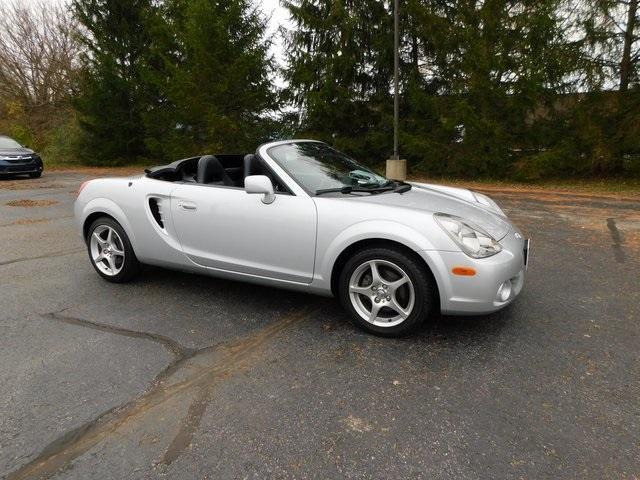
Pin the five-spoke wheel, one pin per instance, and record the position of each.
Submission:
(387, 290)
(110, 251)
(107, 250)
(381, 292)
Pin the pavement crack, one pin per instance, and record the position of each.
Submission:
(220, 362)
(49, 255)
(176, 349)
(616, 236)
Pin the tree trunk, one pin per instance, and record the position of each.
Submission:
(626, 66)
(414, 53)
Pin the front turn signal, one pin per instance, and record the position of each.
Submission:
(464, 271)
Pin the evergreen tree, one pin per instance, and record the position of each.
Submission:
(503, 64)
(212, 72)
(340, 63)
(612, 28)
(112, 95)
(601, 129)
(472, 73)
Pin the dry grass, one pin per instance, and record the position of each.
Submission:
(32, 203)
(27, 185)
(100, 171)
(606, 188)
(610, 188)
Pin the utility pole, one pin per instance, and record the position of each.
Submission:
(396, 168)
(396, 68)
(626, 64)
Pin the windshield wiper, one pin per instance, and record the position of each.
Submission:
(345, 189)
(402, 187)
(348, 189)
(373, 189)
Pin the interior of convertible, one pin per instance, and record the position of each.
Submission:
(221, 170)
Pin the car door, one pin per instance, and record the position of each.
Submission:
(225, 228)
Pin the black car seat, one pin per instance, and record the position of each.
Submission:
(211, 171)
(251, 165)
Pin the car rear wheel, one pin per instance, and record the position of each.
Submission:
(110, 251)
(386, 291)
(35, 175)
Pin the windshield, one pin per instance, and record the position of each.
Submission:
(316, 166)
(6, 142)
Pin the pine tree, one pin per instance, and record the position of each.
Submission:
(213, 74)
(500, 63)
(612, 28)
(112, 95)
(472, 72)
(600, 132)
(340, 63)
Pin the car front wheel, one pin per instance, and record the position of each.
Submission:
(110, 251)
(386, 291)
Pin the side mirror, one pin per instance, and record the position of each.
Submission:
(262, 185)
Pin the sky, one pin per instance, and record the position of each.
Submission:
(278, 17)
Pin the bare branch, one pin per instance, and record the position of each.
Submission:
(38, 53)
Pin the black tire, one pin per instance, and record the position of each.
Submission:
(130, 268)
(35, 174)
(422, 282)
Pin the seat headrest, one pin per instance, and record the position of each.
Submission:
(210, 170)
(250, 165)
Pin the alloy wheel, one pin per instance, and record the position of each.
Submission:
(381, 293)
(107, 250)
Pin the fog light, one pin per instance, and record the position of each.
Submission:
(504, 292)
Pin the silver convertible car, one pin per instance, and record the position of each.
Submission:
(301, 215)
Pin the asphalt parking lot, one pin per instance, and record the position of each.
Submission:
(182, 376)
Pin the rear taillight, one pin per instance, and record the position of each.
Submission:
(82, 185)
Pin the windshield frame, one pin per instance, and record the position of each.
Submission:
(313, 193)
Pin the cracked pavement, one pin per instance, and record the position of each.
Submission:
(182, 376)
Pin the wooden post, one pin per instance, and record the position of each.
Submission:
(396, 168)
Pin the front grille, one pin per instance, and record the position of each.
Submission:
(17, 169)
(20, 160)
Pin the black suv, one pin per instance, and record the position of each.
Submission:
(16, 159)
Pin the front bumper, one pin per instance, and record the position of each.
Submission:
(480, 293)
(17, 168)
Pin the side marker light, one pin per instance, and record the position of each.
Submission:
(464, 271)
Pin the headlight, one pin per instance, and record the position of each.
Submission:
(473, 241)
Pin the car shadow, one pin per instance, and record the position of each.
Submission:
(329, 314)
(463, 330)
(6, 177)
(199, 284)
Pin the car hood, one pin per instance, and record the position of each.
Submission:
(10, 152)
(454, 201)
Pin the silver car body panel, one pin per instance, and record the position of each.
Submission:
(295, 241)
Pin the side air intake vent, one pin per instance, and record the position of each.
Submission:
(156, 211)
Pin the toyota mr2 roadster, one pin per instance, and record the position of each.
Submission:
(301, 215)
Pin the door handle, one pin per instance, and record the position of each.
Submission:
(187, 206)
